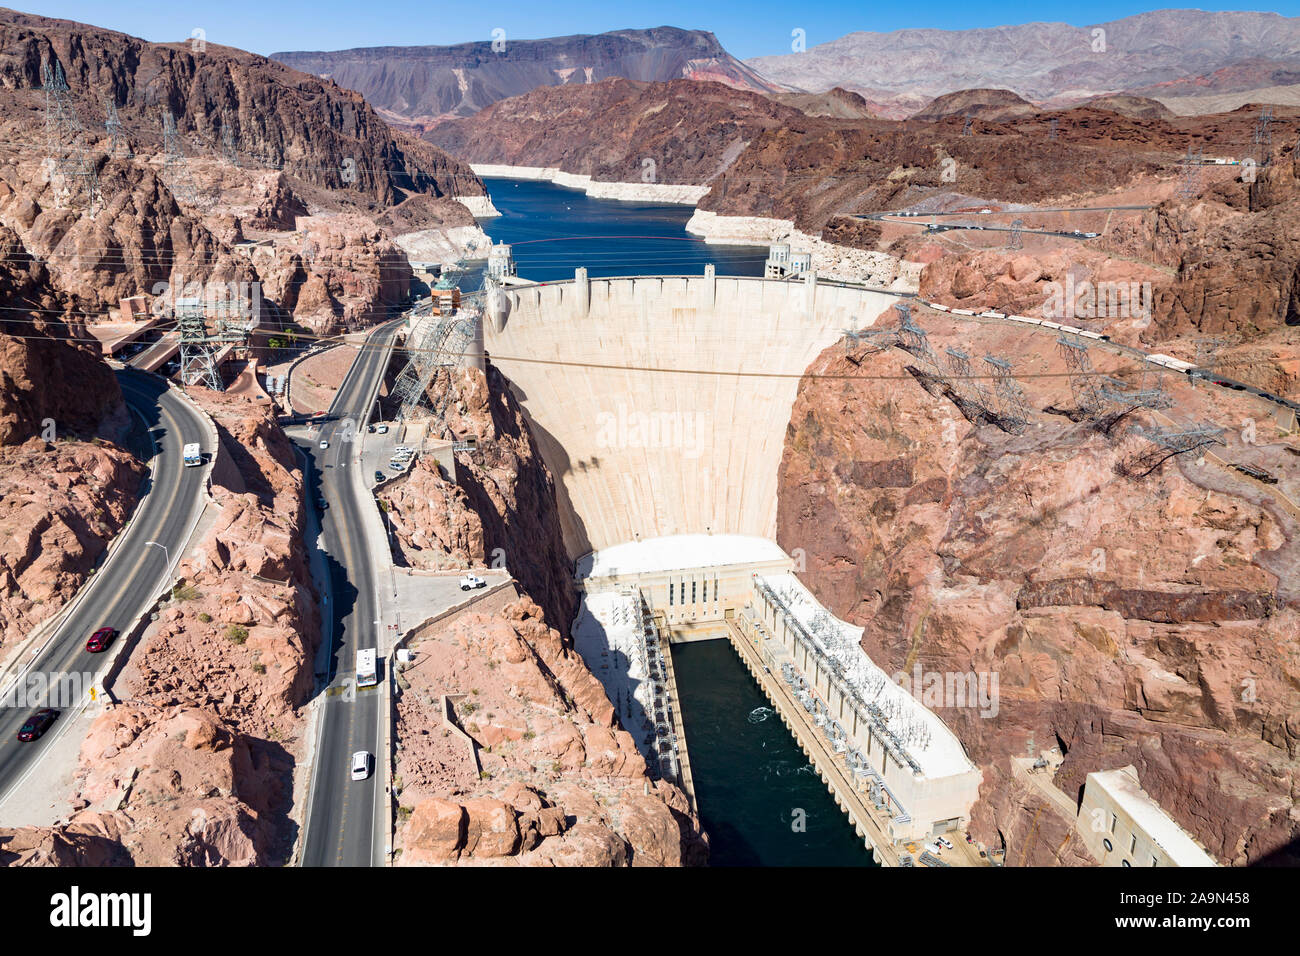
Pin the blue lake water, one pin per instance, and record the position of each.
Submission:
(760, 801)
(553, 230)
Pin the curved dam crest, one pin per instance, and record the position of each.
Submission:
(666, 406)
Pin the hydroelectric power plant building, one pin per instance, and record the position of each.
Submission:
(660, 404)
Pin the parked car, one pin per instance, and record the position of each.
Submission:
(379, 476)
(943, 842)
(468, 581)
(361, 764)
(100, 640)
(396, 465)
(37, 724)
(381, 428)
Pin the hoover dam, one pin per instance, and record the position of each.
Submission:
(661, 405)
(661, 402)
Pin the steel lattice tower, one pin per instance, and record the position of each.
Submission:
(118, 146)
(1264, 136)
(198, 350)
(1012, 404)
(1182, 440)
(1191, 181)
(1083, 378)
(1016, 226)
(65, 138)
(965, 130)
(1052, 134)
(915, 340)
(228, 151)
(1207, 355)
(959, 366)
(175, 168)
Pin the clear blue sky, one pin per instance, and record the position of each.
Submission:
(753, 28)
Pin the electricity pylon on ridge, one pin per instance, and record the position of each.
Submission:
(228, 151)
(175, 166)
(1264, 136)
(914, 339)
(118, 145)
(66, 153)
(1190, 183)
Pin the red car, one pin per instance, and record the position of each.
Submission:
(100, 640)
(37, 724)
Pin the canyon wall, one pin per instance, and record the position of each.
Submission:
(497, 509)
(194, 766)
(65, 491)
(1144, 620)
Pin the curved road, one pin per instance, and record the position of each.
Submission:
(132, 577)
(342, 826)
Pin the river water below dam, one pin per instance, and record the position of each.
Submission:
(761, 802)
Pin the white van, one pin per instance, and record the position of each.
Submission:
(361, 764)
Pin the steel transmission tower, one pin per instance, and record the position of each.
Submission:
(1191, 181)
(198, 350)
(175, 168)
(66, 153)
(228, 151)
(1016, 226)
(118, 146)
(199, 347)
(1012, 405)
(1083, 378)
(1264, 136)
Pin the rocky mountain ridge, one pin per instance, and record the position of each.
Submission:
(1159, 53)
(421, 84)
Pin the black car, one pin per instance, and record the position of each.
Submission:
(37, 724)
(379, 476)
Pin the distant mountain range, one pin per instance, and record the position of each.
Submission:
(1166, 54)
(422, 84)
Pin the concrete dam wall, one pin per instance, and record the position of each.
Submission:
(661, 403)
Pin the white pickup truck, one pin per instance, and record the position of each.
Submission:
(468, 581)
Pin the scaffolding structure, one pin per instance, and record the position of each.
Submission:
(435, 342)
(67, 156)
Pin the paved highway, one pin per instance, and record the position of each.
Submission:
(342, 826)
(135, 573)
